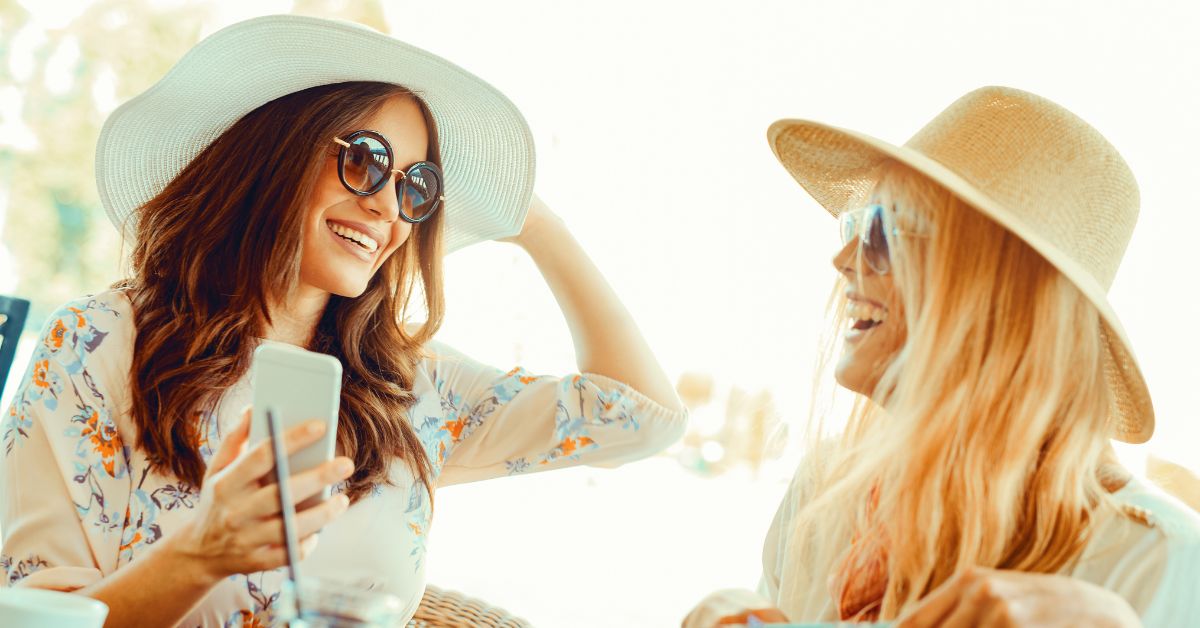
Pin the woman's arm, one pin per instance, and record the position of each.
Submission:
(160, 588)
(607, 341)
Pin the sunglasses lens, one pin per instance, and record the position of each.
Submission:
(365, 164)
(875, 244)
(421, 192)
(867, 225)
(849, 226)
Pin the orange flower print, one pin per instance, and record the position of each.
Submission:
(57, 333)
(455, 428)
(105, 439)
(80, 321)
(567, 447)
(41, 370)
(133, 542)
(246, 619)
(128, 547)
(524, 379)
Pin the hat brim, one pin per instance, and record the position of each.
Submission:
(837, 165)
(487, 148)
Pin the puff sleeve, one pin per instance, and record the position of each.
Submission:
(495, 423)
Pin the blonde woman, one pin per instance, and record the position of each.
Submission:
(974, 484)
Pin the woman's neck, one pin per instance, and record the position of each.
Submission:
(295, 320)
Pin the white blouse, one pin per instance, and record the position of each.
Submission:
(78, 501)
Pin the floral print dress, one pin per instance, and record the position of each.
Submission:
(78, 500)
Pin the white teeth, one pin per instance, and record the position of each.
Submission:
(365, 240)
(860, 311)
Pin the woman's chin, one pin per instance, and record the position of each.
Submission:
(343, 288)
(350, 292)
(851, 375)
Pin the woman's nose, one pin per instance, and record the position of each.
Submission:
(383, 203)
(844, 260)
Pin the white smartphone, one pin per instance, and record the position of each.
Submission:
(299, 386)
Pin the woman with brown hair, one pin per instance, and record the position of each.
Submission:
(302, 194)
(974, 483)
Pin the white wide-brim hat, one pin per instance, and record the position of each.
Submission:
(1028, 164)
(486, 147)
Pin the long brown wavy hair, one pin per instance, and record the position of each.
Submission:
(223, 240)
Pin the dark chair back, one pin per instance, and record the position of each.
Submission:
(13, 312)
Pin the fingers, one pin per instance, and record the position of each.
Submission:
(764, 615)
(231, 445)
(309, 545)
(270, 557)
(261, 460)
(265, 501)
(983, 601)
(741, 619)
(965, 614)
(938, 605)
(269, 531)
(312, 520)
(769, 615)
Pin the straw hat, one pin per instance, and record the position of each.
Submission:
(1026, 163)
(487, 149)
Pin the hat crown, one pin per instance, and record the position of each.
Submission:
(1055, 173)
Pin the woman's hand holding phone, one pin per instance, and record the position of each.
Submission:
(238, 525)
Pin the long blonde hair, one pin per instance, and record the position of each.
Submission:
(985, 440)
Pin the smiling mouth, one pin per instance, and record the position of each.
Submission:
(865, 316)
(353, 236)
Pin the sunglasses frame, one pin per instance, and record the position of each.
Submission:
(402, 175)
(862, 232)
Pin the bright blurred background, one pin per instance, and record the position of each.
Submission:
(650, 122)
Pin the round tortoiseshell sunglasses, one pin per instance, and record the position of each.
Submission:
(365, 163)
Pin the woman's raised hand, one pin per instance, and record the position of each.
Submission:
(238, 525)
(538, 215)
(994, 598)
